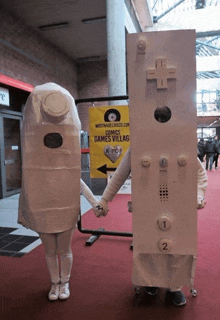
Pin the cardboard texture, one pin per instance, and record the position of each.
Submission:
(162, 87)
(51, 161)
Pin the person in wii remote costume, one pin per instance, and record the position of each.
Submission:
(168, 180)
(51, 167)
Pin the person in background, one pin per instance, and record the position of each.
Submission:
(210, 150)
(217, 147)
(201, 148)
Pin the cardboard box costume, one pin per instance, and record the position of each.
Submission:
(167, 177)
(51, 161)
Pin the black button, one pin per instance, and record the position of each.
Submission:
(53, 140)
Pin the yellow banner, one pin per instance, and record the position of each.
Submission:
(109, 138)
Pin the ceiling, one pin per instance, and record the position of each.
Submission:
(79, 40)
(211, 122)
(205, 20)
(76, 39)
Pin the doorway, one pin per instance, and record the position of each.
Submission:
(10, 154)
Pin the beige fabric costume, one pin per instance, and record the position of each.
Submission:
(170, 271)
(51, 162)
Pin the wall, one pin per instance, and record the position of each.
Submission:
(26, 56)
(92, 83)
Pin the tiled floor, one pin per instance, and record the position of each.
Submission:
(15, 240)
(12, 244)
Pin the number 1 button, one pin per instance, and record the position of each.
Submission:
(164, 223)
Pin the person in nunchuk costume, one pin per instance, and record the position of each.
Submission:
(152, 268)
(51, 168)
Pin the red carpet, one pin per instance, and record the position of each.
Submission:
(101, 277)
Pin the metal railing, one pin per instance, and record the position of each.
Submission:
(95, 234)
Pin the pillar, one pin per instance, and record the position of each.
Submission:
(116, 48)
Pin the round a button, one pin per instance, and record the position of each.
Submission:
(165, 245)
(145, 162)
(164, 223)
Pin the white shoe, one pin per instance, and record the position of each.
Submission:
(64, 291)
(54, 292)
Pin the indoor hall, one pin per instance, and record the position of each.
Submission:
(82, 47)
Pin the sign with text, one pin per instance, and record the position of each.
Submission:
(109, 138)
(4, 97)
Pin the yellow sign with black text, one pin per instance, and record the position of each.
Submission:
(109, 138)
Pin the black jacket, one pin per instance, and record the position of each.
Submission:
(210, 146)
(201, 147)
(217, 146)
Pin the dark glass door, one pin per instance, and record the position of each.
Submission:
(11, 153)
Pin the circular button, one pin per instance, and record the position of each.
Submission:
(55, 105)
(142, 44)
(145, 162)
(164, 223)
(165, 245)
(182, 161)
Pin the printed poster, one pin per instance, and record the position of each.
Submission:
(109, 138)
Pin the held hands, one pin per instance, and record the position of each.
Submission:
(101, 208)
(200, 202)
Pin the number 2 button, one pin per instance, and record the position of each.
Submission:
(165, 245)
